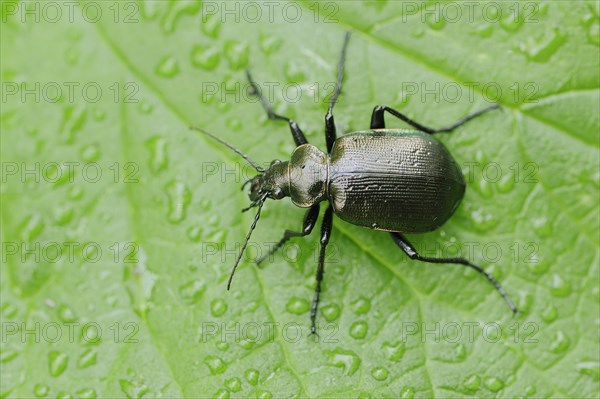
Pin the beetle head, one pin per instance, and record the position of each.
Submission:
(274, 182)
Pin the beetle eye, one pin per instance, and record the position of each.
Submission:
(277, 193)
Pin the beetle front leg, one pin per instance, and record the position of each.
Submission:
(378, 122)
(325, 234)
(330, 132)
(310, 219)
(297, 134)
(412, 253)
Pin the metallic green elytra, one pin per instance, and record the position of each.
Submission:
(395, 180)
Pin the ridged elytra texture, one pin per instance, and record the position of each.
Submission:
(394, 180)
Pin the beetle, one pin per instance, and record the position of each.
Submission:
(394, 180)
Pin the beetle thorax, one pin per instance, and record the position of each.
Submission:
(308, 171)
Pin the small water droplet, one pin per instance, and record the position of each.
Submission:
(63, 214)
(331, 312)
(472, 382)
(269, 43)
(345, 359)
(75, 193)
(211, 24)
(435, 21)
(294, 73)
(234, 384)
(379, 373)
(262, 394)
(513, 21)
(494, 384)
(167, 67)
(145, 107)
(40, 390)
(175, 11)
(86, 393)
(506, 183)
(297, 306)
(251, 376)
(218, 307)
(32, 227)
(179, 198)
(191, 291)
(90, 153)
(6, 355)
(158, 153)
(87, 358)
(205, 57)
(215, 364)
(407, 393)
(194, 233)
(66, 314)
(589, 368)
(64, 395)
(361, 306)
(484, 30)
(359, 329)
(560, 343)
(560, 287)
(133, 389)
(542, 227)
(236, 54)
(542, 47)
(222, 394)
(394, 351)
(549, 314)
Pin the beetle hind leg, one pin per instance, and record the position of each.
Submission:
(378, 122)
(297, 134)
(325, 234)
(412, 253)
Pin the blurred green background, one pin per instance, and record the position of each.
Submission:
(120, 226)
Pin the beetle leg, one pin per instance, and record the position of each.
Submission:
(325, 234)
(297, 134)
(310, 219)
(330, 132)
(412, 253)
(377, 120)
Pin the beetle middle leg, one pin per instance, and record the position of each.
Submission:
(297, 134)
(310, 219)
(325, 234)
(378, 122)
(412, 253)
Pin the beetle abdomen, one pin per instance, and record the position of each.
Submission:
(394, 180)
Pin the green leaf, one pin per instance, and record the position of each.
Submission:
(120, 225)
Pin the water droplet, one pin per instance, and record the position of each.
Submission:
(542, 226)
(222, 394)
(158, 153)
(484, 30)
(294, 73)
(379, 373)
(205, 57)
(218, 307)
(63, 214)
(540, 267)
(269, 43)
(589, 368)
(64, 395)
(361, 305)
(211, 25)
(560, 343)
(40, 390)
(331, 312)
(236, 54)
(251, 376)
(133, 389)
(75, 193)
(215, 364)
(483, 221)
(176, 10)
(512, 22)
(345, 359)
(32, 226)
(494, 384)
(191, 291)
(222, 346)
(87, 358)
(541, 48)
(194, 233)
(90, 153)
(594, 33)
(472, 382)
(297, 306)
(359, 329)
(86, 393)
(261, 394)
(407, 393)
(179, 198)
(6, 355)
(74, 118)
(435, 21)
(66, 314)
(394, 351)
(549, 314)
(506, 183)
(234, 384)
(145, 107)
(167, 67)
(484, 188)
(560, 287)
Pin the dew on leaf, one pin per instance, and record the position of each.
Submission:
(251, 376)
(407, 393)
(6, 355)
(331, 312)
(194, 233)
(222, 394)
(218, 307)
(40, 390)
(345, 359)
(175, 11)
(262, 394)
(234, 384)
(86, 393)
(90, 153)
(542, 47)
(589, 368)
(205, 57)
(215, 364)
(63, 395)
(87, 358)
(494, 384)
(394, 351)
(133, 389)
(237, 54)
(210, 25)
(560, 343)
(57, 363)
(63, 214)
(32, 227)
(191, 291)
(66, 314)
(297, 306)
(158, 153)
(179, 197)
(549, 314)
(379, 373)
(359, 329)
(269, 43)
(361, 305)
(167, 67)
(472, 382)
(560, 287)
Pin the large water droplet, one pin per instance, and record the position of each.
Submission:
(57, 363)
(560, 343)
(167, 67)
(379, 373)
(494, 384)
(205, 57)
(158, 153)
(345, 359)
(87, 358)
(251, 376)
(179, 198)
(218, 307)
(542, 47)
(215, 364)
(297, 306)
(237, 54)
(361, 305)
(359, 329)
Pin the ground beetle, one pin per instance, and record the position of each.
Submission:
(395, 180)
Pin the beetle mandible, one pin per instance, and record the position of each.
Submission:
(394, 180)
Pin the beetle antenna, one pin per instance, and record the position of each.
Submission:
(212, 136)
(260, 204)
